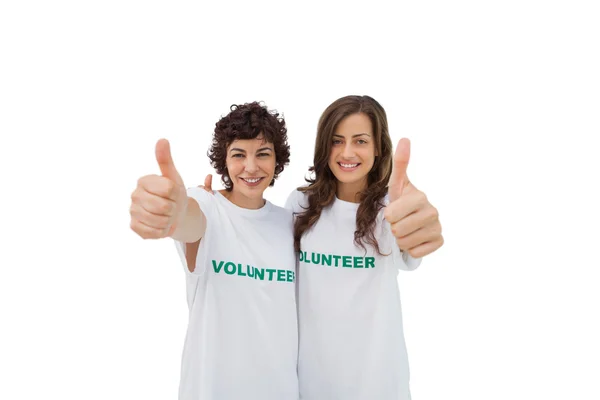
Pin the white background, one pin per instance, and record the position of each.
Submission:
(500, 99)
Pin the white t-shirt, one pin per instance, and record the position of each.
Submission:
(349, 313)
(242, 338)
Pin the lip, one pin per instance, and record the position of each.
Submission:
(252, 184)
(346, 169)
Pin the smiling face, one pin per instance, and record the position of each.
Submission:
(352, 152)
(251, 167)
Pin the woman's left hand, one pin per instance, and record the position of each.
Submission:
(413, 219)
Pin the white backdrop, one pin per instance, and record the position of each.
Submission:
(501, 102)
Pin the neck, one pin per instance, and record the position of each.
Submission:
(349, 191)
(243, 201)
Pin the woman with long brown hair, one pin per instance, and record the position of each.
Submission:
(358, 222)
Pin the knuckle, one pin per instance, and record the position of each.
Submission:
(439, 241)
(146, 178)
(143, 182)
(438, 230)
(154, 233)
(422, 199)
(401, 243)
(387, 214)
(164, 223)
(165, 207)
(171, 188)
(414, 253)
(153, 204)
(137, 228)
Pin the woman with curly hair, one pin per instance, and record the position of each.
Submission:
(238, 255)
(357, 224)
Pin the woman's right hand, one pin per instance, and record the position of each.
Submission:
(159, 203)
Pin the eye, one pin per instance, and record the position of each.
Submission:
(361, 141)
(336, 142)
(264, 154)
(237, 155)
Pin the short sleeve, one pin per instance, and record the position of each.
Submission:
(296, 202)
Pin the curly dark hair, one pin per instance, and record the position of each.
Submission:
(248, 121)
(322, 188)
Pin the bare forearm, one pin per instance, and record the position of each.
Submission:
(192, 226)
(191, 253)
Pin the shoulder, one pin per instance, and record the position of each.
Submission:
(297, 202)
(280, 212)
(203, 198)
(280, 219)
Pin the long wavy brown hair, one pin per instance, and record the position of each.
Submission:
(322, 188)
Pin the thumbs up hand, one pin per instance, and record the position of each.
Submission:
(414, 221)
(159, 203)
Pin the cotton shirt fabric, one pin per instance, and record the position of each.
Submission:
(242, 340)
(350, 318)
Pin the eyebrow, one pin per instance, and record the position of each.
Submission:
(243, 151)
(357, 135)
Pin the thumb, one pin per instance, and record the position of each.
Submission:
(399, 179)
(208, 182)
(165, 161)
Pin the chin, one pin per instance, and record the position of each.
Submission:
(345, 177)
(249, 191)
(351, 181)
(253, 193)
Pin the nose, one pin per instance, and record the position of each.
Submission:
(348, 151)
(251, 165)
